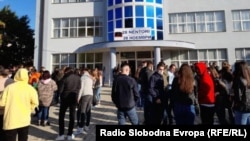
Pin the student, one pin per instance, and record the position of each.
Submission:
(19, 100)
(125, 95)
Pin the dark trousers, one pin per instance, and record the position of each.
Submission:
(63, 108)
(21, 132)
(207, 115)
(2, 135)
(148, 102)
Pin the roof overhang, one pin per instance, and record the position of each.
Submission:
(168, 44)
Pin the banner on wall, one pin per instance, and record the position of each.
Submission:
(123, 34)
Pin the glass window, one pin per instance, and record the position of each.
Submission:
(222, 54)
(98, 57)
(118, 23)
(90, 66)
(64, 58)
(56, 58)
(212, 54)
(72, 58)
(159, 1)
(247, 51)
(202, 54)
(127, 55)
(139, 22)
(193, 55)
(56, 33)
(81, 58)
(81, 32)
(159, 35)
(128, 23)
(128, 11)
(110, 37)
(65, 22)
(239, 54)
(110, 2)
(139, 0)
(81, 22)
(150, 11)
(150, 23)
(56, 23)
(174, 55)
(90, 31)
(149, 0)
(118, 1)
(139, 10)
(158, 12)
(110, 26)
(183, 55)
(128, 0)
(118, 13)
(144, 54)
(90, 21)
(110, 15)
(89, 57)
(159, 24)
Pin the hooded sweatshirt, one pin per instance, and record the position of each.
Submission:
(206, 94)
(19, 100)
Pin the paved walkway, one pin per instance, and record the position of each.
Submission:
(103, 115)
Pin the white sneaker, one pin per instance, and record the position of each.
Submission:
(60, 138)
(70, 137)
(86, 128)
(78, 131)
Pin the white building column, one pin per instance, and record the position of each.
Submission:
(157, 54)
(112, 63)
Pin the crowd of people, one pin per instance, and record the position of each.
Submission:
(171, 95)
(167, 94)
(24, 90)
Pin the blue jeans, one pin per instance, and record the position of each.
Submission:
(131, 114)
(43, 113)
(242, 118)
(97, 93)
(184, 114)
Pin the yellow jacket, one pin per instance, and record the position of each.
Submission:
(19, 99)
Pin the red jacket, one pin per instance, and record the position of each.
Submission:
(206, 93)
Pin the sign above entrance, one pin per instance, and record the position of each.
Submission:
(132, 34)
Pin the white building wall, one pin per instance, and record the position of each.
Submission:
(216, 40)
(67, 45)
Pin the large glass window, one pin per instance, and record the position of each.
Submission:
(139, 11)
(150, 11)
(213, 21)
(118, 13)
(241, 20)
(77, 27)
(110, 15)
(139, 22)
(193, 56)
(128, 11)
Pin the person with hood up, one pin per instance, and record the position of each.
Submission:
(19, 100)
(206, 94)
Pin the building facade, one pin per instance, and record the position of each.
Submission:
(104, 33)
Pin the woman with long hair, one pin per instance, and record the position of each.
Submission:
(241, 99)
(183, 96)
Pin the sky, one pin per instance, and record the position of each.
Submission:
(22, 8)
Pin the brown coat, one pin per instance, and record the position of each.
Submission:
(46, 89)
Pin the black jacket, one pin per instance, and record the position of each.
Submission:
(69, 87)
(124, 92)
